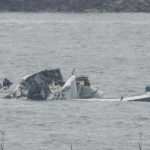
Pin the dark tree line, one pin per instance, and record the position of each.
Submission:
(76, 5)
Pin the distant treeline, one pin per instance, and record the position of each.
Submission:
(76, 5)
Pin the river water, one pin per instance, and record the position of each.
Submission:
(112, 49)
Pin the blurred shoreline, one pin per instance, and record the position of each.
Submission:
(75, 6)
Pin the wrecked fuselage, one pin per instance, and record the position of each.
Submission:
(49, 84)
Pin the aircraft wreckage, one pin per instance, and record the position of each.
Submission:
(49, 84)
